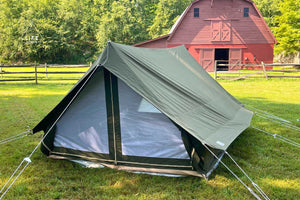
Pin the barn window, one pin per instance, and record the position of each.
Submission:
(196, 12)
(246, 12)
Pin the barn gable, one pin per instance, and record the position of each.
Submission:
(230, 30)
(221, 21)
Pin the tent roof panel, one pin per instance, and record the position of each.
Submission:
(178, 86)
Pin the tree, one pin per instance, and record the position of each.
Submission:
(21, 20)
(123, 23)
(288, 30)
(268, 9)
(167, 13)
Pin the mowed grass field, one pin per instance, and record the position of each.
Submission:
(272, 164)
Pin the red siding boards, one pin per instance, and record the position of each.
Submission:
(221, 24)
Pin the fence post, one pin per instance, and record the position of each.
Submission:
(1, 71)
(264, 69)
(35, 70)
(215, 69)
(46, 74)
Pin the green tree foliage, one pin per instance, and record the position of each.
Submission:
(66, 30)
(288, 30)
(122, 23)
(167, 13)
(268, 9)
(73, 31)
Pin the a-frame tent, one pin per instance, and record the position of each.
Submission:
(146, 110)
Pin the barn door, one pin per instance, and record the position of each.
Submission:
(207, 59)
(225, 31)
(221, 30)
(215, 27)
(234, 59)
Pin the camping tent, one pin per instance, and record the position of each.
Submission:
(145, 110)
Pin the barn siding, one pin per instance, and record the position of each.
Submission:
(250, 54)
(248, 39)
(256, 53)
(250, 30)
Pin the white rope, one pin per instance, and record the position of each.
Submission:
(273, 118)
(269, 114)
(279, 137)
(27, 159)
(253, 183)
(15, 137)
(296, 128)
(246, 186)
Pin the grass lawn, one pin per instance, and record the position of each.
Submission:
(273, 165)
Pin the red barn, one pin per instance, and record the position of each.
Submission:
(229, 30)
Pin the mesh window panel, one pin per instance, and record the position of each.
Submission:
(84, 125)
(145, 131)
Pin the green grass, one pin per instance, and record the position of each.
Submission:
(273, 165)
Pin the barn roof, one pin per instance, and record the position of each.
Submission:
(164, 37)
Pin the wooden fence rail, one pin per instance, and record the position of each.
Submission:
(288, 70)
(6, 75)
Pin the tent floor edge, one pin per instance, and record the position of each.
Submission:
(132, 167)
(155, 170)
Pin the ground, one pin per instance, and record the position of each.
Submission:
(272, 164)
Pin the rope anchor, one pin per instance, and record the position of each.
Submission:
(27, 159)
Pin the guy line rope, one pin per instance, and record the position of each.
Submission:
(273, 118)
(279, 137)
(261, 192)
(12, 180)
(15, 137)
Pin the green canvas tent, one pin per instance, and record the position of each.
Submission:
(145, 110)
